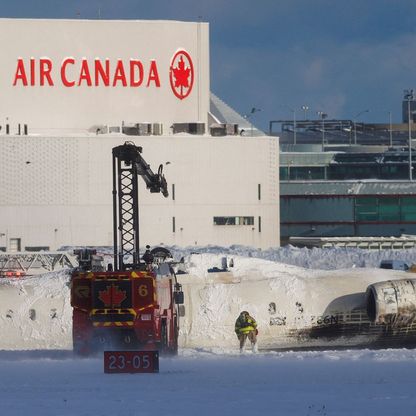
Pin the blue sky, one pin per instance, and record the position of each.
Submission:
(336, 56)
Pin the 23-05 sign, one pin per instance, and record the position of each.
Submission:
(131, 361)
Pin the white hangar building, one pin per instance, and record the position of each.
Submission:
(71, 90)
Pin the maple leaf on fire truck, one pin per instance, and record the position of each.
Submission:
(181, 74)
(112, 296)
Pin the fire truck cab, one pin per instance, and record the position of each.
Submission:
(131, 309)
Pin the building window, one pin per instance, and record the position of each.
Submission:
(366, 209)
(14, 245)
(283, 173)
(259, 224)
(233, 220)
(259, 192)
(302, 173)
(173, 191)
(353, 171)
(390, 209)
(37, 248)
(408, 208)
(173, 224)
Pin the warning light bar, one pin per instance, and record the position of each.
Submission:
(11, 273)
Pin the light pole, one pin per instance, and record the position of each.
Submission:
(323, 117)
(305, 109)
(294, 121)
(355, 124)
(390, 130)
(294, 126)
(409, 96)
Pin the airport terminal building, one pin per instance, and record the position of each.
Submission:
(74, 89)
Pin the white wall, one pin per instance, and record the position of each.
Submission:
(56, 191)
(59, 107)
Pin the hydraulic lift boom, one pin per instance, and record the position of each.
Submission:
(128, 164)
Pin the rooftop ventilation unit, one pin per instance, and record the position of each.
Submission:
(137, 129)
(190, 128)
(218, 129)
(223, 129)
(232, 129)
(157, 129)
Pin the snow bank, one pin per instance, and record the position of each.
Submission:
(315, 258)
(35, 313)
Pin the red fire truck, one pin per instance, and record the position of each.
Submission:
(134, 304)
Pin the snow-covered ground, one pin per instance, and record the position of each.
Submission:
(200, 383)
(205, 381)
(315, 258)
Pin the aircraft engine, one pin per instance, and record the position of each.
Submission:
(392, 302)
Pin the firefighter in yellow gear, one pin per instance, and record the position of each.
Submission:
(246, 327)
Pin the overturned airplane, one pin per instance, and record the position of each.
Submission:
(295, 308)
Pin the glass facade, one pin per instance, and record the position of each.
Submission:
(330, 207)
(347, 166)
(385, 209)
(302, 173)
(345, 172)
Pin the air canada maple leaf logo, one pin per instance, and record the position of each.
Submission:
(181, 74)
(112, 296)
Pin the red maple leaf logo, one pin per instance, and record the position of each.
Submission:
(112, 296)
(181, 74)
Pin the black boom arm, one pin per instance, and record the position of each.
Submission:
(128, 164)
